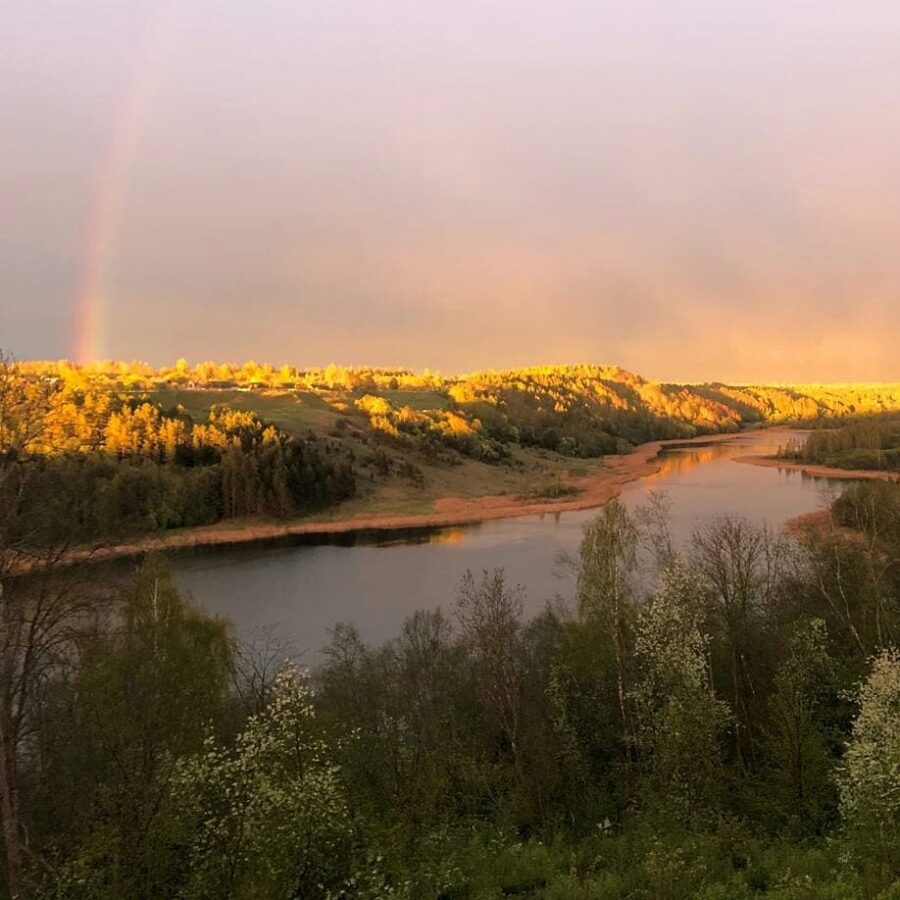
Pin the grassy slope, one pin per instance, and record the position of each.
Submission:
(528, 472)
(296, 413)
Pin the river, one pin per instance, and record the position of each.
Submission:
(300, 591)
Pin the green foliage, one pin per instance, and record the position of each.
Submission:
(869, 443)
(234, 466)
(689, 740)
(605, 593)
(680, 721)
(872, 507)
(607, 562)
(739, 566)
(426, 427)
(551, 489)
(869, 780)
(581, 411)
(272, 818)
(800, 742)
(145, 693)
(114, 451)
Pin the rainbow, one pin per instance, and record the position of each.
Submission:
(94, 293)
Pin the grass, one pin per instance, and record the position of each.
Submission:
(387, 500)
(299, 412)
(550, 490)
(528, 474)
(294, 412)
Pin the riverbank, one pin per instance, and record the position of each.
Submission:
(818, 522)
(593, 490)
(818, 471)
(820, 525)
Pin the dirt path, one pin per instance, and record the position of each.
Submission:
(594, 491)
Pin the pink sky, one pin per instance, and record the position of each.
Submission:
(694, 190)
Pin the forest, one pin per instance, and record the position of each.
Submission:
(715, 720)
(720, 720)
(124, 450)
(579, 410)
(104, 466)
(871, 442)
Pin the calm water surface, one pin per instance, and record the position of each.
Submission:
(303, 590)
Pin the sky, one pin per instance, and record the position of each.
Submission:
(693, 190)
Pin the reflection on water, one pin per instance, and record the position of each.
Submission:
(706, 481)
(305, 588)
(676, 460)
(450, 535)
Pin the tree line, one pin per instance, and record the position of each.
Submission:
(578, 410)
(719, 720)
(90, 466)
(872, 442)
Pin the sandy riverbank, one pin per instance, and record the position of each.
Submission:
(817, 471)
(593, 491)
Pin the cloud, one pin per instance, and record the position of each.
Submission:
(689, 190)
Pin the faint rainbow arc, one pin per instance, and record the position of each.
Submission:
(104, 220)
